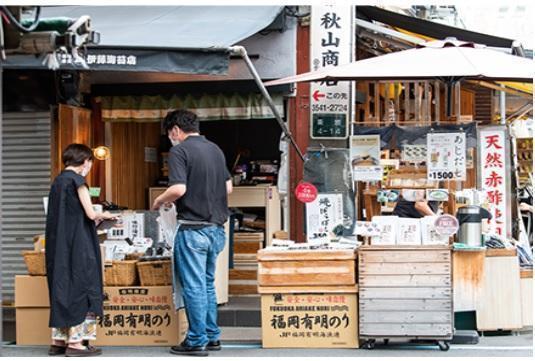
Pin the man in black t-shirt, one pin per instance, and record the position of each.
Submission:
(199, 184)
(420, 209)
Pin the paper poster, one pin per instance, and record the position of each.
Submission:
(446, 156)
(429, 234)
(414, 153)
(388, 227)
(366, 158)
(367, 229)
(409, 232)
(324, 214)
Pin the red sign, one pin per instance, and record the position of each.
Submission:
(306, 192)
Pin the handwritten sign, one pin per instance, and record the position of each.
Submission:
(323, 215)
(446, 156)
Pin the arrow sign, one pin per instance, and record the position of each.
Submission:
(317, 95)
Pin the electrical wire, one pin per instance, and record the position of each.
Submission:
(17, 24)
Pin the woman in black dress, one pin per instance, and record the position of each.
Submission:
(73, 257)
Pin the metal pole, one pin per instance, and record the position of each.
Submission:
(1, 178)
(502, 107)
(240, 50)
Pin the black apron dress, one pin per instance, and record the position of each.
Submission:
(73, 260)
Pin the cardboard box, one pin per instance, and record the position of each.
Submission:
(31, 291)
(388, 226)
(32, 310)
(306, 320)
(32, 326)
(140, 316)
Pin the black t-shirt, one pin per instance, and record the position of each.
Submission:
(200, 165)
(406, 209)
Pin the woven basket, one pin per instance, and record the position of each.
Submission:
(35, 262)
(133, 256)
(155, 273)
(120, 273)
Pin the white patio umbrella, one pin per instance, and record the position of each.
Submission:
(449, 60)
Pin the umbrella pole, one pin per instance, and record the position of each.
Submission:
(240, 50)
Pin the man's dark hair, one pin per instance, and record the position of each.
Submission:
(184, 119)
(76, 154)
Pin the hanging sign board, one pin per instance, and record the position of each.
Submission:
(323, 215)
(331, 34)
(446, 156)
(366, 158)
(494, 172)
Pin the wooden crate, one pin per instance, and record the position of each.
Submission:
(302, 268)
(405, 292)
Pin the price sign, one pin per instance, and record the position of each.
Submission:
(446, 156)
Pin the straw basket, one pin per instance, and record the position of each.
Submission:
(133, 256)
(35, 262)
(120, 273)
(155, 273)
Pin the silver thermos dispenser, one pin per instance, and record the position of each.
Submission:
(469, 233)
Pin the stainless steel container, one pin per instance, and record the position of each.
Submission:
(469, 226)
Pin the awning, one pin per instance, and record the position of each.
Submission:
(429, 29)
(171, 39)
(207, 107)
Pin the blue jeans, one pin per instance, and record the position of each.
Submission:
(197, 251)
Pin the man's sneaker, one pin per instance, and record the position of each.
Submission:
(214, 346)
(185, 349)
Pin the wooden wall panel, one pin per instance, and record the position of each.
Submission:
(73, 126)
(131, 175)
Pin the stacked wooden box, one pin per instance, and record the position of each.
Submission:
(405, 292)
(243, 277)
(309, 298)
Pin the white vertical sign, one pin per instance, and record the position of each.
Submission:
(323, 215)
(446, 156)
(493, 173)
(331, 44)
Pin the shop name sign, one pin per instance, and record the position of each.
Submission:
(446, 156)
(101, 59)
(493, 173)
(330, 45)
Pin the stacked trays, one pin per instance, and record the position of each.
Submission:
(405, 292)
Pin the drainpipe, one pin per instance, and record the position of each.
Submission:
(240, 50)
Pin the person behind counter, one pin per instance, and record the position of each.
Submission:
(72, 252)
(418, 209)
(199, 184)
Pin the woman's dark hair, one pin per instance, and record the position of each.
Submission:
(76, 154)
(184, 119)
